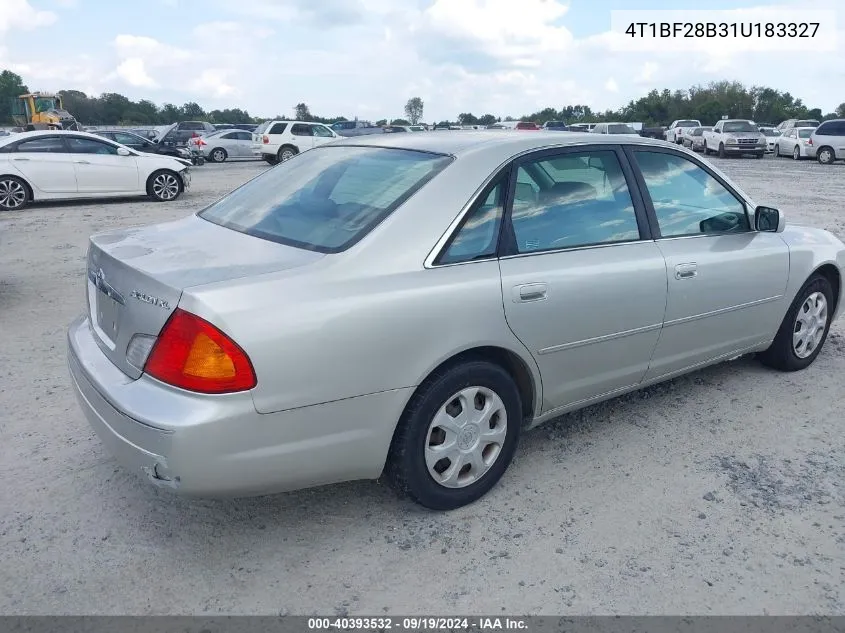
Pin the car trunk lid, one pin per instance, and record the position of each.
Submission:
(136, 276)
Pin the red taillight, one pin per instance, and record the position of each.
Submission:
(265, 139)
(809, 141)
(192, 354)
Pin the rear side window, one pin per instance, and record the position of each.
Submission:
(478, 236)
(831, 128)
(43, 145)
(278, 128)
(300, 129)
(328, 198)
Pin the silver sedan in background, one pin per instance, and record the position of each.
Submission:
(219, 146)
(406, 305)
(795, 142)
(694, 138)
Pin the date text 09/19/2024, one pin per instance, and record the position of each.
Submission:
(781, 30)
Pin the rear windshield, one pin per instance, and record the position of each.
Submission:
(805, 133)
(688, 124)
(809, 123)
(260, 129)
(328, 198)
(620, 128)
(739, 126)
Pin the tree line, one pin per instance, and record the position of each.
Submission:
(705, 103)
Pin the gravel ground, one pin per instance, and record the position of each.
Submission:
(721, 492)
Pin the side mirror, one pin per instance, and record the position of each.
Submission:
(769, 220)
(122, 151)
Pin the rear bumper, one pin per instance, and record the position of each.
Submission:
(219, 446)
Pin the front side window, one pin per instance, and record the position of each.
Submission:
(570, 200)
(43, 145)
(328, 198)
(321, 130)
(478, 236)
(90, 146)
(687, 199)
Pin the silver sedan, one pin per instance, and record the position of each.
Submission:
(224, 144)
(406, 305)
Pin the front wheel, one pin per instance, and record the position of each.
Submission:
(722, 150)
(218, 155)
(804, 328)
(457, 436)
(164, 186)
(796, 153)
(777, 151)
(14, 194)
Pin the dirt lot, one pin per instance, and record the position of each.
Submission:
(722, 492)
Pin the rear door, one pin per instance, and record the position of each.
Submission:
(99, 168)
(726, 280)
(46, 163)
(584, 287)
(303, 136)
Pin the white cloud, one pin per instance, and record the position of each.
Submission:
(21, 15)
(611, 86)
(134, 72)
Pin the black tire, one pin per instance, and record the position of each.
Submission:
(286, 152)
(217, 155)
(270, 160)
(160, 185)
(758, 156)
(781, 354)
(15, 194)
(705, 150)
(722, 150)
(825, 155)
(796, 153)
(777, 150)
(406, 468)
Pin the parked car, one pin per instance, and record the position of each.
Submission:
(674, 132)
(796, 142)
(555, 126)
(5, 133)
(582, 127)
(277, 141)
(658, 132)
(227, 143)
(60, 164)
(248, 127)
(695, 138)
(151, 134)
(735, 137)
(787, 125)
(180, 133)
(622, 129)
(141, 144)
(356, 128)
(238, 370)
(771, 133)
(404, 128)
(828, 141)
(526, 125)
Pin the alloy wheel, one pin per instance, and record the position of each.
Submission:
(12, 194)
(166, 187)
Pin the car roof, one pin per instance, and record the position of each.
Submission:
(460, 143)
(39, 133)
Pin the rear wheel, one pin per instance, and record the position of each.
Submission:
(722, 150)
(457, 436)
(825, 155)
(14, 194)
(286, 152)
(218, 155)
(164, 185)
(777, 150)
(796, 153)
(804, 328)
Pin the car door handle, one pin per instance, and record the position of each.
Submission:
(686, 271)
(529, 292)
(82, 162)
(21, 159)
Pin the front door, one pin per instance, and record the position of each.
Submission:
(100, 169)
(583, 287)
(46, 164)
(322, 134)
(303, 136)
(726, 281)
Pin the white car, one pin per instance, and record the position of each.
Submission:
(675, 133)
(277, 141)
(795, 142)
(618, 129)
(61, 165)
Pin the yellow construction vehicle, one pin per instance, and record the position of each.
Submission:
(42, 111)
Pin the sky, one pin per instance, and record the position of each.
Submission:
(365, 58)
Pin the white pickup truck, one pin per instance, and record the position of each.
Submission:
(735, 137)
(675, 132)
